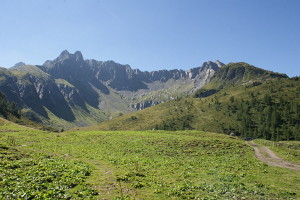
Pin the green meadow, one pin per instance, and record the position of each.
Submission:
(138, 165)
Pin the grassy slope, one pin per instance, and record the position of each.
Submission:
(239, 73)
(161, 164)
(27, 174)
(205, 113)
(31, 69)
(173, 88)
(83, 118)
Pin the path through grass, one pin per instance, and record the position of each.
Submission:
(163, 165)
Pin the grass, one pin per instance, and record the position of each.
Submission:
(171, 90)
(163, 164)
(38, 176)
(60, 81)
(20, 72)
(91, 116)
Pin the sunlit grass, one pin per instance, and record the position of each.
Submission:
(163, 165)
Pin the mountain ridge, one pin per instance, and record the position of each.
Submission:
(266, 105)
(71, 91)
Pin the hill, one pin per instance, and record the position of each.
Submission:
(240, 99)
(70, 91)
(10, 114)
(8, 109)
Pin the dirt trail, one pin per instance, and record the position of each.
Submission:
(269, 157)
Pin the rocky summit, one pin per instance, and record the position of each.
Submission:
(70, 91)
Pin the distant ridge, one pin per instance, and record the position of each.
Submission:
(240, 99)
(19, 64)
(71, 91)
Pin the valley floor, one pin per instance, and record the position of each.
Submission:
(140, 165)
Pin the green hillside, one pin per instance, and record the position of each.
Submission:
(251, 103)
(11, 113)
(8, 109)
(236, 73)
(47, 101)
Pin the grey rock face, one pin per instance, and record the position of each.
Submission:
(19, 64)
(36, 92)
(86, 75)
(145, 104)
(73, 68)
(202, 75)
(71, 95)
(68, 66)
(69, 83)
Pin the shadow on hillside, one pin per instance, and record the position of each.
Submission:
(130, 85)
(56, 103)
(100, 86)
(87, 93)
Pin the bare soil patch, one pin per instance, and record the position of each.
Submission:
(267, 156)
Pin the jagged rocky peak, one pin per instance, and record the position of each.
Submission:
(78, 56)
(212, 65)
(65, 55)
(73, 67)
(220, 64)
(206, 66)
(68, 66)
(19, 64)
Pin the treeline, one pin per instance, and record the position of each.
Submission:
(181, 117)
(182, 123)
(7, 108)
(271, 112)
(269, 118)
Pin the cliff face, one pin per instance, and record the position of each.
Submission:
(83, 92)
(33, 89)
(73, 68)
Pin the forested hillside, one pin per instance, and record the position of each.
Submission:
(269, 111)
(271, 115)
(7, 108)
(266, 105)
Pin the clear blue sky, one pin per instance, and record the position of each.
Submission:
(154, 34)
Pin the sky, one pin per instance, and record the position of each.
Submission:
(154, 34)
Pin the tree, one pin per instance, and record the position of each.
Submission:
(231, 99)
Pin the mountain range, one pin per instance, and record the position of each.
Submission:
(72, 91)
(240, 99)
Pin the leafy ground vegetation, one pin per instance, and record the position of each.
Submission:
(27, 174)
(142, 165)
(38, 176)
